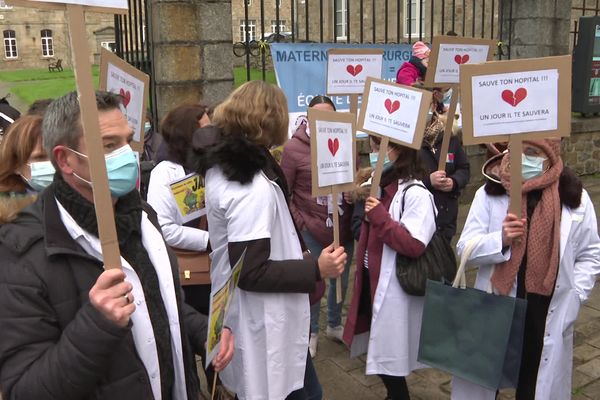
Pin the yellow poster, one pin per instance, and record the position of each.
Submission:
(219, 305)
(189, 196)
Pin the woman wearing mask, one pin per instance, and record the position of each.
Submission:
(246, 200)
(25, 169)
(177, 129)
(314, 217)
(383, 320)
(550, 256)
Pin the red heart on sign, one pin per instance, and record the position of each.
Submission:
(514, 98)
(461, 59)
(333, 145)
(354, 69)
(392, 107)
(126, 96)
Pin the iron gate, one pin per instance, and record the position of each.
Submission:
(358, 21)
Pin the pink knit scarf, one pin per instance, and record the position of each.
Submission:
(541, 240)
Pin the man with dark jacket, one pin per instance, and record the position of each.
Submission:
(444, 185)
(71, 329)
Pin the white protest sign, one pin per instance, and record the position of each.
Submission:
(452, 56)
(348, 69)
(396, 111)
(119, 77)
(448, 53)
(333, 150)
(334, 153)
(90, 3)
(519, 102)
(529, 97)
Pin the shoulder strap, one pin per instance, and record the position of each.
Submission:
(404, 193)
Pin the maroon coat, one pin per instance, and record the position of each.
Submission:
(408, 74)
(295, 163)
(379, 230)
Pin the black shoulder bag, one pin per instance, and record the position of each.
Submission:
(438, 263)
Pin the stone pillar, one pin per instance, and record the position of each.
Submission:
(192, 53)
(538, 28)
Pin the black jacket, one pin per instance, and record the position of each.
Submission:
(459, 170)
(53, 343)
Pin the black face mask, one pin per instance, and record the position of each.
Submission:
(417, 62)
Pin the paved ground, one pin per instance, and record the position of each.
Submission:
(344, 378)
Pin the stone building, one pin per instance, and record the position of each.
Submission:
(327, 20)
(34, 37)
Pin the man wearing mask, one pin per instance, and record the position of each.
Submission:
(70, 328)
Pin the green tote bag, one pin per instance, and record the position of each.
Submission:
(472, 334)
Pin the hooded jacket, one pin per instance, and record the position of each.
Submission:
(307, 213)
(53, 343)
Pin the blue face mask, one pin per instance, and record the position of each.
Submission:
(531, 166)
(147, 127)
(42, 175)
(121, 168)
(373, 157)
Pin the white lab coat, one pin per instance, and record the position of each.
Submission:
(396, 321)
(579, 265)
(271, 329)
(161, 199)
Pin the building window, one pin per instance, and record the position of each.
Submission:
(4, 6)
(416, 18)
(10, 44)
(281, 25)
(250, 27)
(108, 46)
(341, 26)
(47, 45)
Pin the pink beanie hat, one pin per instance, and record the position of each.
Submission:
(420, 50)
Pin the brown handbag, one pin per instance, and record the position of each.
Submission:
(194, 266)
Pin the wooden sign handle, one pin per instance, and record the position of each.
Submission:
(515, 145)
(383, 146)
(354, 104)
(336, 238)
(107, 232)
(448, 131)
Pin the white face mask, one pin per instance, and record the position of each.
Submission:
(532, 166)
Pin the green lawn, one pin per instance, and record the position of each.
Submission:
(240, 76)
(34, 84)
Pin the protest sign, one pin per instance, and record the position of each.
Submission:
(75, 16)
(448, 53)
(348, 69)
(220, 301)
(394, 112)
(333, 152)
(309, 60)
(524, 100)
(102, 6)
(188, 194)
(117, 76)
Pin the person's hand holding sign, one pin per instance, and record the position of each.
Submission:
(512, 229)
(371, 203)
(111, 295)
(441, 182)
(331, 262)
(225, 352)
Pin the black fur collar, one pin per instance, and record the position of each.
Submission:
(239, 158)
(570, 188)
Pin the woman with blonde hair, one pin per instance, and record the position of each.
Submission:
(24, 169)
(246, 201)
